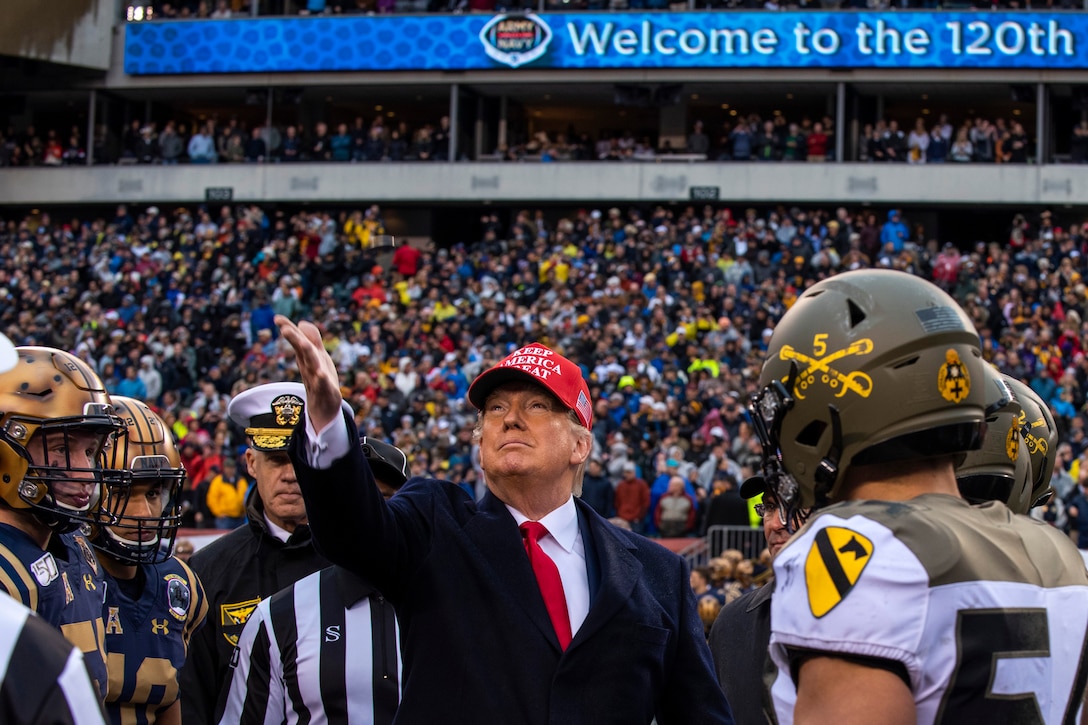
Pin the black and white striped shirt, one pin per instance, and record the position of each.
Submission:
(324, 650)
(43, 678)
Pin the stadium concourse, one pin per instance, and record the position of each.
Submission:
(666, 309)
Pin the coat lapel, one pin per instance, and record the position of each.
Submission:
(499, 543)
(616, 565)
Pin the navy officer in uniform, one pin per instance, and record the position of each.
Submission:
(272, 551)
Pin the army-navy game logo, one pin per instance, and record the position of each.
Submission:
(515, 40)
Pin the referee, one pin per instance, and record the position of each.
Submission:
(56, 688)
(326, 648)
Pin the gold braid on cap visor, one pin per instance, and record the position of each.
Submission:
(269, 437)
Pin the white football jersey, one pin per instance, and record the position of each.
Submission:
(986, 611)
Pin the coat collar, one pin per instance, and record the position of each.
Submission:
(612, 566)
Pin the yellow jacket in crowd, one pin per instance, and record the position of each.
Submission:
(226, 498)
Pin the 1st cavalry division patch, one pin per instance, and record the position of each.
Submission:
(834, 564)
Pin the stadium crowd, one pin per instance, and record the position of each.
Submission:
(747, 137)
(668, 312)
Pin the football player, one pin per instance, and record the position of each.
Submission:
(153, 601)
(1000, 469)
(1039, 432)
(898, 601)
(55, 423)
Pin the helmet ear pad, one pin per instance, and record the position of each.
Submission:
(880, 366)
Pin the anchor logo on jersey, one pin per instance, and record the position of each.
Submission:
(819, 363)
(953, 380)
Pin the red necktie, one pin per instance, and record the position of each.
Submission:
(547, 577)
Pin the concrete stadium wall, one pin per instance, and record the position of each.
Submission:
(69, 32)
(552, 182)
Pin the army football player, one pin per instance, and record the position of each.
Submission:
(899, 602)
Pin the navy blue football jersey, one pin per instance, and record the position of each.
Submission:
(81, 618)
(147, 639)
(63, 584)
(32, 576)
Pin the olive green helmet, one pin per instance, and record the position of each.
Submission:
(867, 366)
(1040, 434)
(1001, 469)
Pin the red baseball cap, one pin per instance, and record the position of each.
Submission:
(537, 364)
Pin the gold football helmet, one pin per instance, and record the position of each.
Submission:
(55, 423)
(141, 505)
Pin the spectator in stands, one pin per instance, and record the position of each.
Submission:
(675, 513)
(963, 150)
(1015, 146)
(698, 141)
(597, 490)
(983, 137)
(918, 142)
(227, 496)
(320, 148)
(632, 499)
(171, 145)
(816, 143)
(73, 154)
(894, 143)
(742, 140)
(1078, 144)
(255, 151)
(422, 147)
(132, 386)
(340, 145)
(937, 153)
(291, 149)
(795, 146)
(202, 146)
(440, 138)
(233, 149)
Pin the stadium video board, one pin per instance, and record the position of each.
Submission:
(991, 40)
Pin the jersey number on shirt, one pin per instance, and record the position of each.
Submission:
(983, 638)
(153, 672)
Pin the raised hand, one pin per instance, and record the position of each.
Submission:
(317, 369)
